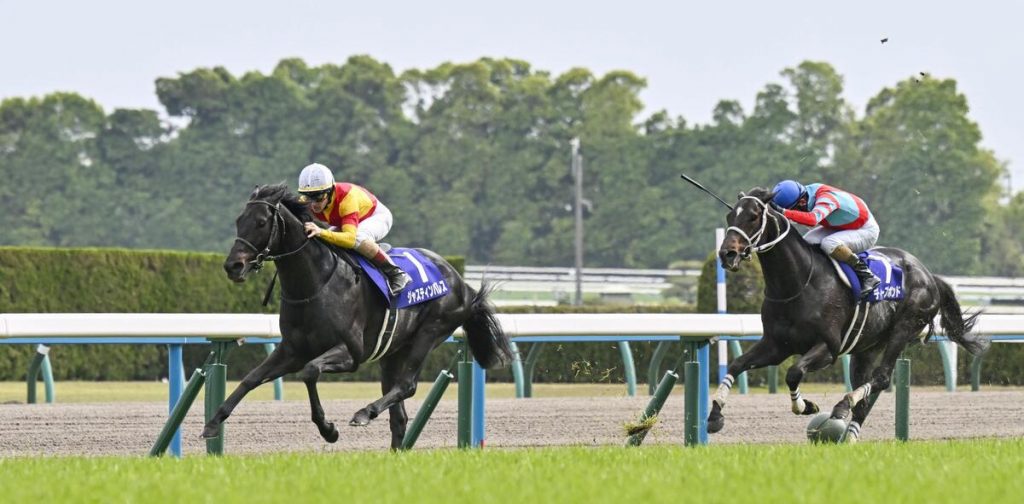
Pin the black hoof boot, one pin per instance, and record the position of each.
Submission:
(210, 431)
(716, 421)
(331, 434)
(809, 408)
(360, 419)
(842, 410)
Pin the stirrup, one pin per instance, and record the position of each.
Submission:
(404, 279)
(866, 293)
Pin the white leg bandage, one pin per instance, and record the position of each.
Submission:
(723, 390)
(853, 432)
(859, 394)
(798, 402)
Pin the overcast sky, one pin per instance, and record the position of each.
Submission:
(691, 53)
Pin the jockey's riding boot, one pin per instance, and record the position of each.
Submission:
(868, 280)
(397, 279)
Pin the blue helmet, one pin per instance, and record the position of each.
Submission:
(787, 193)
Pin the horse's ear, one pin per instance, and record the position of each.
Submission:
(742, 194)
(255, 192)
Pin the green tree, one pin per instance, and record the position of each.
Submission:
(921, 171)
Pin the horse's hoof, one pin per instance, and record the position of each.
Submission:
(332, 435)
(810, 408)
(210, 432)
(360, 419)
(715, 424)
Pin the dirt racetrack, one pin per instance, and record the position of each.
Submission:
(268, 426)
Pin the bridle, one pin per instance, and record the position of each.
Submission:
(753, 240)
(256, 264)
(754, 246)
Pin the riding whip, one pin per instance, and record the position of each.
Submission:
(705, 189)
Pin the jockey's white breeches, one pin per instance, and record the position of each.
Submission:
(858, 240)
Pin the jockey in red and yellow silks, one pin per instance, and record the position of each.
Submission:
(841, 223)
(346, 208)
(357, 219)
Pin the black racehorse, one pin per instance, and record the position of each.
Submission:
(809, 311)
(331, 315)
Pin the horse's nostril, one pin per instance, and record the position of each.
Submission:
(233, 267)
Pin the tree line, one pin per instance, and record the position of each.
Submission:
(474, 160)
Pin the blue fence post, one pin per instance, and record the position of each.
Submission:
(477, 430)
(723, 348)
(175, 385)
(704, 358)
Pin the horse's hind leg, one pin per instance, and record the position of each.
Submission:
(335, 360)
(761, 354)
(904, 332)
(816, 359)
(398, 418)
(279, 363)
(404, 368)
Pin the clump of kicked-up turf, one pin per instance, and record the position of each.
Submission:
(641, 427)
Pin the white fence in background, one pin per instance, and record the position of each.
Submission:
(215, 325)
(997, 294)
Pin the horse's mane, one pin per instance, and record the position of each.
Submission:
(275, 193)
(761, 193)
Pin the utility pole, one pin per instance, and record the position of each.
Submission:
(577, 173)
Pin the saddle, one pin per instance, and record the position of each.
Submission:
(428, 282)
(891, 275)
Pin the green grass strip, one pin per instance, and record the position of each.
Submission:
(977, 471)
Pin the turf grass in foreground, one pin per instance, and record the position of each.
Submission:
(956, 471)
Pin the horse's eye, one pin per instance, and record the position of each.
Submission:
(261, 222)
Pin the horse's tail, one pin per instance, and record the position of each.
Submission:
(489, 343)
(957, 328)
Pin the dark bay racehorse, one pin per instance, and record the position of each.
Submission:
(808, 310)
(331, 315)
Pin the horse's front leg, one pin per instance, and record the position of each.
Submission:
(279, 363)
(819, 357)
(335, 360)
(761, 354)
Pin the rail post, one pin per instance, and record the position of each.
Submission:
(976, 373)
(216, 383)
(528, 367)
(40, 365)
(465, 415)
(902, 380)
(278, 383)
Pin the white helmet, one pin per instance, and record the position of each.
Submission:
(315, 178)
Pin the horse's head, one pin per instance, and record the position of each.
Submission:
(260, 230)
(747, 222)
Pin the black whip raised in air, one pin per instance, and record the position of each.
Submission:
(705, 189)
